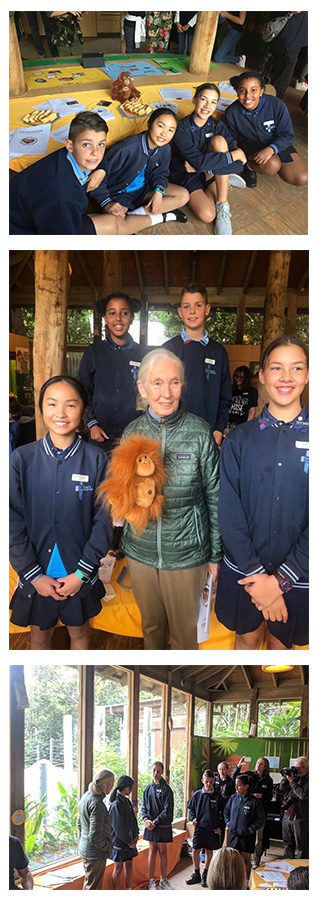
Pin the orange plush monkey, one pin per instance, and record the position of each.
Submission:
(133, 487)
(123, 88)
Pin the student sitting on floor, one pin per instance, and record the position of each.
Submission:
(50, 196)
(261, 125)
(206, 813)
(135, 187)
(203, 157)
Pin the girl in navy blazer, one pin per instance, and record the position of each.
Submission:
(125, 831)
(58, 533)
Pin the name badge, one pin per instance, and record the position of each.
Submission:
(208, 360)
(269, 122)
(209, 135)
(302, 444)
(80, 478)
(183, 457)
(134, 363)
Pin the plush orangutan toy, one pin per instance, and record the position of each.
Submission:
(123, 88)
(133, 487)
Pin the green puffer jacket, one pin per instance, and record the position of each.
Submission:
(94, 826)
(187, 533)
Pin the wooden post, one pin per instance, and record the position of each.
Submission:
(111, 272)
(86, 718)
(203, 41)
(275, 305)
(17, 83)
(144, 320)
(291, 315)
(134, 726)
(304, 720)
(241, 310)
(16, 751)
(50, 332)
(167, 734)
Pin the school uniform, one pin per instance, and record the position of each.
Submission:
(258, 784)
(263, 519)
(242, 401)
(157, 805)
(268, 126)
(225, 788)
(207, 808)
(132, 170)
(109, 373)
(207, 390)
(243, 815)
(190, 143)
(50, 198)
(56, 529)
(124, 828)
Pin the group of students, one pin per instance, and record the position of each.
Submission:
(147, 178)
(59, 531)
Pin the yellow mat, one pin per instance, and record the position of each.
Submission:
(121, 615)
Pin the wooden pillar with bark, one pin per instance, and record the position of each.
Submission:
(50, 331)
(17, 83)
(275, 304)
(203, 41)
(111, 278)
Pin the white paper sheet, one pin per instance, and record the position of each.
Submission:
(61, 133)
(103, 112)
(171, 106)
(176, 93)
(66, 106)
(31, 140)
(275, 876)
(204, 608)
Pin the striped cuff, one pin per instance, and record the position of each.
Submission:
(274, 147)
(288, 573)
(32, 574)
(88, 569)
(92, 422)
(105, 202)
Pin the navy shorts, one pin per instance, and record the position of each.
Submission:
(132, 199)
(28, 607)
(124, 855)
(192, 181)
(284, 155)
(235, 610)
(243, 844)
(205, 838)
(87, 226)
(160, 834)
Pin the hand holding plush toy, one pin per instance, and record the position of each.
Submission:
(133, 487)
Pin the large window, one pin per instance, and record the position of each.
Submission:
(231, 720)
(279, 719)
(178, 751)
(51, 763)
(111, 710)
(150, 731)
(200, 717)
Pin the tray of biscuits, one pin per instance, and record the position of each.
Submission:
(40, 117)
(133, 108)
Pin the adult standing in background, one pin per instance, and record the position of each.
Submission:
(261, 786)
(158, 31)
(134, 28)
(94, 826)
(294, 789)
(285, 49)
(66, 34)
(226, 52)
(185, 25)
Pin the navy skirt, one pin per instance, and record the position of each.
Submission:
(192, 181)
(123, 855)
(160, 834)
(243, 844)
(28, 607)
(235, 610)
(87, 226)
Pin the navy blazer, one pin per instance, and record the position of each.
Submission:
(243, 815)
(207, 808)
(190, 144)
(207, 390)
(269, 125)
(157, 803)
(125, 159)
(109, 374)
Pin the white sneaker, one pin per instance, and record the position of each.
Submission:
(165, 884)
(222, 223)
(152, 884)
(242, 61)
(236, 181)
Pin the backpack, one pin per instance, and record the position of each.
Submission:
(271, 29)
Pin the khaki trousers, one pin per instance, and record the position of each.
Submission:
(168, 602)
(93, 873)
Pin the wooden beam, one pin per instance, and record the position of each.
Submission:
(111, 272)
(249, 272)
(17, 85)
(15, 271)
(86, 720)
(158, 300)
(241, 311)
(144, 320)
(166, 271)
(253, 712)
(134, 697)
(50, 331)
(246, 674)
(86, 270)
(131, 291)
(167, 731)
(16, 751)
(222, 677)
(291, 315)
(203, 41)
(304, 718)
(221, 272)
(275, 306)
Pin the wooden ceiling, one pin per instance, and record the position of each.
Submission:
(158, 277)
(226, 683)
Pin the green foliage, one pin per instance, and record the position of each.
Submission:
(33, 826)
(64, 826)
(279, 719)
(231, 721)
(79, 329)
(177, 780)
(221, 325)
(52, 692)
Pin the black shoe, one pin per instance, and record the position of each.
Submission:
(249, 177)
(204, 878)
(195, 878)
(179, 215)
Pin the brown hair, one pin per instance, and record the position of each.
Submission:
(227, 870)
(279, 342)
(194, 288)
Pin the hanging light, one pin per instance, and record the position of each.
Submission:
(271, 669)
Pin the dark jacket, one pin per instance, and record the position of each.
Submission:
(243, 815)
(190, 144)
(263, 500)
(47, 198)
(125, 159)
(207, 808)
(207, 390)
(263, 785)
(109, 374)
(123, 823)
(268, 126)
(94, 826)
(186, 535)
(157, 803)
(225, 788)
(298, 801)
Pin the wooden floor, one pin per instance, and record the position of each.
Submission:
(272, 208)
(184, 869)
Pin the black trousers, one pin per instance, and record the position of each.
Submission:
(295, 835)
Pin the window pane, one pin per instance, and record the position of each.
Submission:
(111, 705)
(150, 731)
(178, 752)
(51, 763)
(200, 717)
(279, 719)
(231, 720)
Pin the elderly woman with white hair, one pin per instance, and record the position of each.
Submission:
(169, 561)
(94, 826)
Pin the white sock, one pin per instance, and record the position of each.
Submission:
(140, 211)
